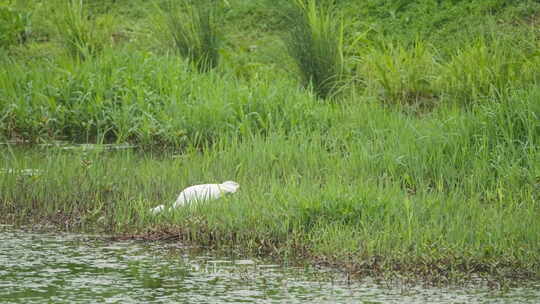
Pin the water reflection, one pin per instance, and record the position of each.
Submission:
(46, 267)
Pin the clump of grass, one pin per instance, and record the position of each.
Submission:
(15, 25)
(399, 74)
(315, 42)
(191, 28)
(489, 70)
(81, 35)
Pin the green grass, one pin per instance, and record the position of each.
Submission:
(398, 74)
(81, 34)
(191, 29)
(315, 42)
(427, 161)
(434, 196)
(15, 25)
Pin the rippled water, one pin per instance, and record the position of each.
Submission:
(74, 268)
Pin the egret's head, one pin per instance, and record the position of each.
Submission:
(229, 186)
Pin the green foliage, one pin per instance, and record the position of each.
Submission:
(454, 184)
(81, 35)
(192, 29)
(401, 75)
(447, 23)
(315, 42)
(142, 98)
(420, 75)
(15, 25)
(423, 189)
(489, 69)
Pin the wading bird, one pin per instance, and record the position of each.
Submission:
(199, 193)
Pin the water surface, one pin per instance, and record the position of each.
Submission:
(37, 267)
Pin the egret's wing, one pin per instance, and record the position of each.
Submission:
(195, 193)
(157, 209)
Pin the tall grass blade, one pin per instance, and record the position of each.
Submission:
(315, 42)
(191, 29)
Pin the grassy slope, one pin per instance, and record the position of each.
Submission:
(428, 160)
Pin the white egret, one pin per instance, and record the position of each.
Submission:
(198, 193)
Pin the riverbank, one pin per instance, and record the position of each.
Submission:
(328, 211)
(422, 159)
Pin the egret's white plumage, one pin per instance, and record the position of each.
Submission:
(199, 193)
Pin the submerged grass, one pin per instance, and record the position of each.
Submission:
(359, 182)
